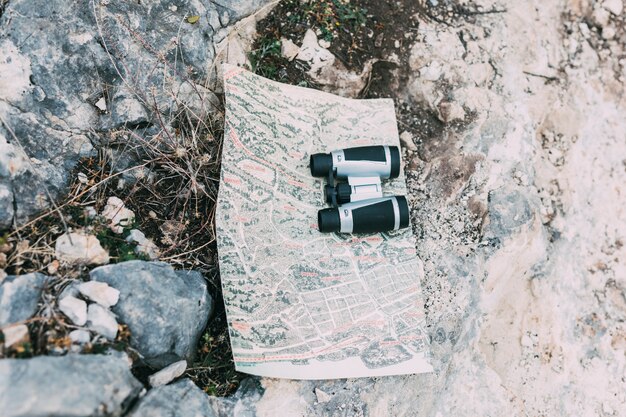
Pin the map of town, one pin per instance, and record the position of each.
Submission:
(300, 303)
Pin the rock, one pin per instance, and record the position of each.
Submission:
(75, 309)
(71, 385)
(57, 107)
(243, 402)
(509, 210)
(288, 49)
(324, 43)
(450, 111)
(117, 214)
(101, 321)
(614, 6)
(322, 396)
(80, 337)
(80, 248)
(19, 296)
(181, 399)
(144, 246)
(15, 334)
(432, 71)
(330, 73)
(406, 140)
(168, 374)
(608, 32)
(99, 292)
(151, 293)
(313, 54)
(53, 267)
(101, 104)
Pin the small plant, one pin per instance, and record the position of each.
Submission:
(266, 59)
(120, 250)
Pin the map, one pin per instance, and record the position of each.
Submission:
(303, 304)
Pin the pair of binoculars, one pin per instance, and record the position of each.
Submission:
(358, 204)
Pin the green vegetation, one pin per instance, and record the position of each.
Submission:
(329, 16)
(266, 59)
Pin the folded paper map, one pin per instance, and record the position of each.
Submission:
(302, 304)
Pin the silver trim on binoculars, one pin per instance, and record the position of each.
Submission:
(365, 188)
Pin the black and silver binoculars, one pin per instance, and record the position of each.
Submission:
(358, 205)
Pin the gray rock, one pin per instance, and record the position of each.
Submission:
(72, 385)
(243, 402)
(94, 71)
(165, 310)
(181, 399)
(19, 295)
(509, 209)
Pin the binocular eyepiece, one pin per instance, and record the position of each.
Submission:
(359, 205)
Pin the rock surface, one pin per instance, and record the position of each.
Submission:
(19, 296)
(165, 310)
(518, 215)
(92, 73)
(80, 248)
(181, 399)
(72, 385)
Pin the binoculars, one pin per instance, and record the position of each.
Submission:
(358, 205)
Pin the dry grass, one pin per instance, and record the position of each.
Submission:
(167, 173)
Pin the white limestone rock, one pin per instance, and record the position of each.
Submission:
(312, 53)
(614, 6)
(102, 321)
(15, 334)
(118, 215)
(406, 140)
(80, 248)
(75, 309)
(288, 49)
(99, 292)
(144, 246)
(168, 374)
(80, 337)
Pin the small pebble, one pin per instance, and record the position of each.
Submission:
(102, 321)
(80, 337)
(99, 292)
(15, 334)
(168, 374)
(75, 309)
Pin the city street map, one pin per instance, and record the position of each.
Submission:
(303, 304)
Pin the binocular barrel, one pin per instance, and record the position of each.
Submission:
(367, 216)
(381, 161)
